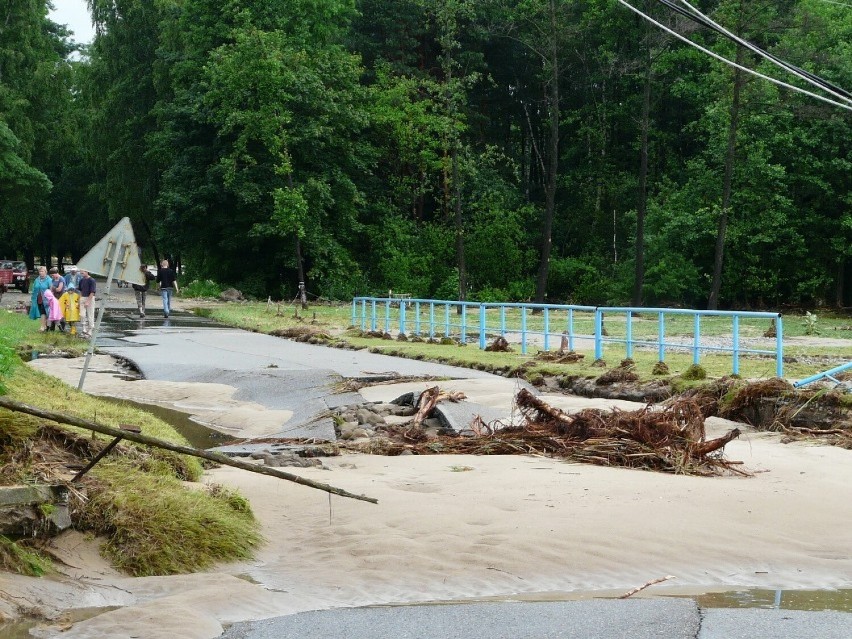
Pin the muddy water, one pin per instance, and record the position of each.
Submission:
(198, 435)
(840, 600)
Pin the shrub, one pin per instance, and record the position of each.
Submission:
(201, 288)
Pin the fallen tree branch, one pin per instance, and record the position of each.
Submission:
(819, 431)
(630, 593)
(139, 438)
(715, 444)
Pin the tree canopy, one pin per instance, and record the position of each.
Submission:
(548, 150)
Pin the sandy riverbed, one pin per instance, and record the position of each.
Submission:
(460, 527)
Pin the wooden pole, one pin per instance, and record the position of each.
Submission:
(139, 438)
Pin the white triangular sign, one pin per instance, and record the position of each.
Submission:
(119, 244)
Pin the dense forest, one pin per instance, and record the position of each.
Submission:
(546, 150)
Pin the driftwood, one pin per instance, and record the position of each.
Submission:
(429, 399)
(219, 458)
(632, 592)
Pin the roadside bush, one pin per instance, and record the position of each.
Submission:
(201, 288)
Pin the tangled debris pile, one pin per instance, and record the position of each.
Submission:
(775, 405)
(668, 440)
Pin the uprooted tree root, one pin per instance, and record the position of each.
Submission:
(820, 415)
(671, 440)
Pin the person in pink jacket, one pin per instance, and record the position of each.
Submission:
(54, 313)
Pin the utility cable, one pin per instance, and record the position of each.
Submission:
(801, 73)
(791, 87)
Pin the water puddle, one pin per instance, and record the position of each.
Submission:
(198, 435)
(840, 600)
(809, 600)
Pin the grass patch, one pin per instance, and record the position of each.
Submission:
(152, 522)
(17, 557)
(159, 527)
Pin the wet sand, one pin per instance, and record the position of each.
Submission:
(465, 527)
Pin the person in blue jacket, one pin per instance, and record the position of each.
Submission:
(38, 310)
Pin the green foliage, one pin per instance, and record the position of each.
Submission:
(810, 322)
(414, 146)
(8, 359)
(201, 288)
(15, 557)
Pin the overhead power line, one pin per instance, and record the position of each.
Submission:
(694, 14)
(712, 54)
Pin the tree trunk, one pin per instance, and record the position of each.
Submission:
(460, 261)
(553, 164)
(730, 156)
(641, 205)
(300, 264)
(152, 240)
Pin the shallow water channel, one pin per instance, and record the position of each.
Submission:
(198, 435)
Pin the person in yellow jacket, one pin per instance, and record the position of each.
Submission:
(69, 302)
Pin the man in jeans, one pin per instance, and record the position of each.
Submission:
(167, 279)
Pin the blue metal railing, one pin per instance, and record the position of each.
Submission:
(829, 374)
(557, 320)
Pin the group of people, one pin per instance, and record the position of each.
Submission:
(58, 301)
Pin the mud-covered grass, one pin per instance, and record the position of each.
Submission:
(153, 525)
(136, 498)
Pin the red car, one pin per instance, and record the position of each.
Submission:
(7, 275)
(21, 277)
(14, 275)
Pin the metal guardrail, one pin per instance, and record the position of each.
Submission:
(448, 317)
(829, 374)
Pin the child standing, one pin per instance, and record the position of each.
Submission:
(54, 313)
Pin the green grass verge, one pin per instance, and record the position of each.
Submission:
(152, 522)
(266, 318)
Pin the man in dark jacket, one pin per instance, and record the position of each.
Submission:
(141, 290)
(167, 279)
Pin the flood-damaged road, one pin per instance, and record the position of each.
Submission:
(300, 381)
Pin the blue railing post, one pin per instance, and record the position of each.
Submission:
(736, 345)
(661, 336)
(464, 323)
(502, 320)
(482, 326)
(373, 319)
(447, 319)
(363, 314)
(402, 316)
(431, 320)
(779, 347)
(571, 329)
(598, 334)
(546, 329)
(417, 318)
(523, 330)
(696, 339)
(387, 315)
(354, 301)
(629, 335)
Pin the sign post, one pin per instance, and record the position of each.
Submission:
(116, 255)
